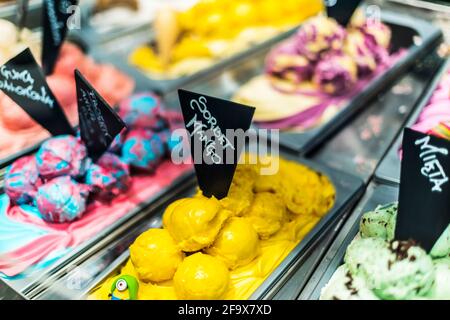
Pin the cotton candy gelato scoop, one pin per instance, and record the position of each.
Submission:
(201, 277)
(143, 149)
(22, 180)
(194, 223)
(109, 177)
(142, 111)
(62, 200)
(395, 271)
(62, 155)
(155, 255)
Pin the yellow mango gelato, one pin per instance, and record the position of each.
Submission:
(201, 277)
(267, 214)
(155, 255)
(237, 243)
(194, 223)
(214, 29)
(236, 252)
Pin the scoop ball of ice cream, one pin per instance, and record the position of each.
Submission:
(285, 62)
(22, 180)
(194, 223)
(394, 271)
(318, 36)
(109, 177)
(237, 243)
(266, 214)
(377, 37)
(378, 34)
(155, 256)
(379, 223)
(356, 46)
(142, 111)
(143, 149)
(62, 155)
(62, 200)
(336, 74)
(201, 277)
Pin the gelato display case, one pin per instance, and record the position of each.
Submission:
(112, 208)
(107, 262)
(19, 133)
(336, 277)
(243, 81)
(431, 112)
(231, 31)
(59, 201)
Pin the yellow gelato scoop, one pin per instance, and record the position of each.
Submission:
(267, 214)
(201, 277)
(237, 243)
(155, 255)
(194, 223)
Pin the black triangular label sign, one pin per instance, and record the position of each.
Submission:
(424, 200)
(216, 129)
(22, 80)
(55, 16)
(341, 10)
(99, 123)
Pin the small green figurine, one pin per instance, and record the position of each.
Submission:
(124, 288)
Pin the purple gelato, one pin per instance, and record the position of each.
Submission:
(335, 74)
(318, 36)
(285, 62)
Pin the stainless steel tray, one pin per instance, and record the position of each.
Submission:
(389, 169)
(379, 194)
(91, 270)
(24, 284)
(224, 81)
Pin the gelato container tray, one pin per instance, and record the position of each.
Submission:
(89, 271)
(25, 281)
(378, 195)
(418, 37)
(389, 169)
